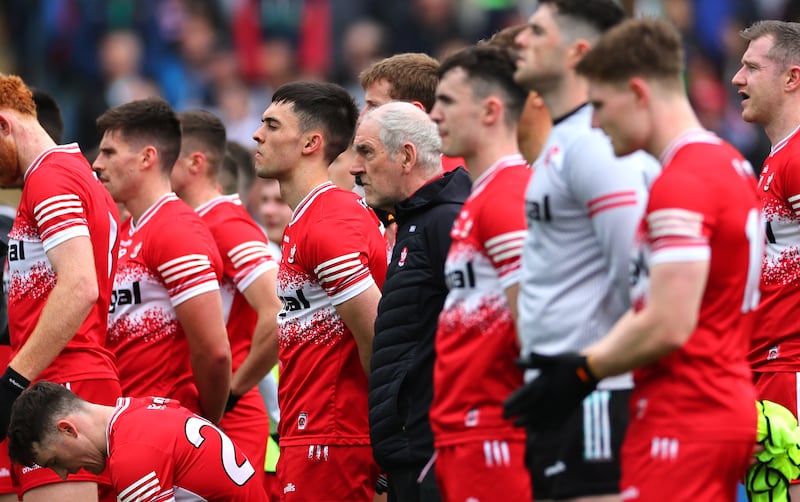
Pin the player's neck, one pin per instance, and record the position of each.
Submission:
(572, 92)
(301, 181)
(487, 154)
(31, 141)
(149, 193)
(670, 120)
(196, 196)
(783, 122)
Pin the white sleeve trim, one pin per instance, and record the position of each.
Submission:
(352, 291)
(198, 290)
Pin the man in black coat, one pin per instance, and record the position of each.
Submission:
(398, 163)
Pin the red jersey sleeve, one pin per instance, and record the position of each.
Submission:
(189, 263)
(58, 209)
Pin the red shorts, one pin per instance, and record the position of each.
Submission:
(483, 470)
(247, 425)
(654, 467)
(318, 473)
(101, 391)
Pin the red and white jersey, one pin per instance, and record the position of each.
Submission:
(775, 342)
(703, 207)
(476, 342)
(160, 451)
(333, 250)
(166, 258)
(245, 257)
(62, 199)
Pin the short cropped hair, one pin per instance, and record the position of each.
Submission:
(504, 39)
(49, 114)
(34, 416)
(206, 132)
(401, 122)
(240, 164)
(786, 40)
(146, 122)
(322, 105)
(15, 95)
(490, 70)
(650, 48)
(412, 77)
(586, 18)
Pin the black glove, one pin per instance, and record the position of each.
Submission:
(546, 402)
(11, 386)
(232, 400)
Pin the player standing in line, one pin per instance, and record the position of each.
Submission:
(48, 114)
(397, 161)
(248, 288)
(154, 449)
(769, 84)
(166, 323)
(696, 269)
(477, 109)
(62, 258)
(333, 262)
(583, 207)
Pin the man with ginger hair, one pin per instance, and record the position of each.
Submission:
(696, 265)
(62, 258)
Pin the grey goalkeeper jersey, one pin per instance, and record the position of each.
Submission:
(583, 206)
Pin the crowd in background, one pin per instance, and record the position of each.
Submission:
(228, 55)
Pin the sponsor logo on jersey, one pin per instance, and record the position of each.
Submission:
(123, 296)
(403, 256)
(461, 278)
(302, 420)
(4, 472)
(294, 303)
(16, 251)
(289, 488)
(539, 211)
(292, 252)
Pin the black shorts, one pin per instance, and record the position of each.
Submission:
(582, 457)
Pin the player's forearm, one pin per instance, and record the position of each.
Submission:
(212, 376)
(262, 357)
(66, 309)
(636, 340)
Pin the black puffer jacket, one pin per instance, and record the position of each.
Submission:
(401, 379)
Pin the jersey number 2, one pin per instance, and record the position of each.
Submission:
(239, 473)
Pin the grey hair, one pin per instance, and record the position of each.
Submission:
(401, 122)
(785, 36)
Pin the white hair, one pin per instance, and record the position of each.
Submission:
(401, 122)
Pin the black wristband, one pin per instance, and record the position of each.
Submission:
(14, 381)
(232, 400)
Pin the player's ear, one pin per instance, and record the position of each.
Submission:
(793, 78)
(492, 109)
(409, 156)
(66, 427)
(5, 125)
(640, 90)
(313, 142)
